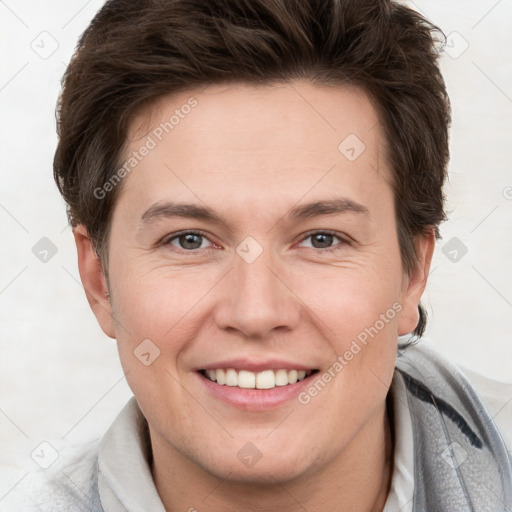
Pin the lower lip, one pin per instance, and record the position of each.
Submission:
(256, 399)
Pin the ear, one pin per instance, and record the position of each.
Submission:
(93, 280)
(414, 284)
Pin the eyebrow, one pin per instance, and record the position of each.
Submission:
(185, 210)
(306, 211)
(326, 207)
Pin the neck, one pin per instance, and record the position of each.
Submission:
(358, 479)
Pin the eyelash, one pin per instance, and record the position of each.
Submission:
(343, 240)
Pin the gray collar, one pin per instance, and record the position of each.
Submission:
(461, 462)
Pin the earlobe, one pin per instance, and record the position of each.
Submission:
(93, 280)
(414, 286)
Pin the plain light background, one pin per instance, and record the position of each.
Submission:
(59, 374)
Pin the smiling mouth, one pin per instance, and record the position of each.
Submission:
(245, 379)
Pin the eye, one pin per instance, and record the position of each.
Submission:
(191, 241)
(324, 240)
(187, 240)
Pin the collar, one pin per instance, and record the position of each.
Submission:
(125, 483)
(401, 493)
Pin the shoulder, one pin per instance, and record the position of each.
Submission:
(439, 371)
(497, 398)
(69, 484)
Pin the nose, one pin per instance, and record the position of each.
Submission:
(257, 299)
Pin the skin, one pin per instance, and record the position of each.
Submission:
(252, 153)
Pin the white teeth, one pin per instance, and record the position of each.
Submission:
(292, 376)
(266, 379)
(220, 376)
(231, 377)
(281, 377)
(246, 379)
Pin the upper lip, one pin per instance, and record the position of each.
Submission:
(255, 366)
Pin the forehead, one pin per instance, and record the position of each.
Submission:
(296, 109)
(253, 143)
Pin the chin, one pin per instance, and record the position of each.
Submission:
(262, 474)
(249, 465)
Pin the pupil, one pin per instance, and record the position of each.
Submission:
(324, 239)
(187, 241)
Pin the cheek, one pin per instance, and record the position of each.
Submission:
(158, 301)
(153, 330)
(358, 310)
(159, 314)
(363, 326)
(350, 300)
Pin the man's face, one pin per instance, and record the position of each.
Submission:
(270, 288)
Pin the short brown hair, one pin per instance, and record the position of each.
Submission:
(134, 52)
